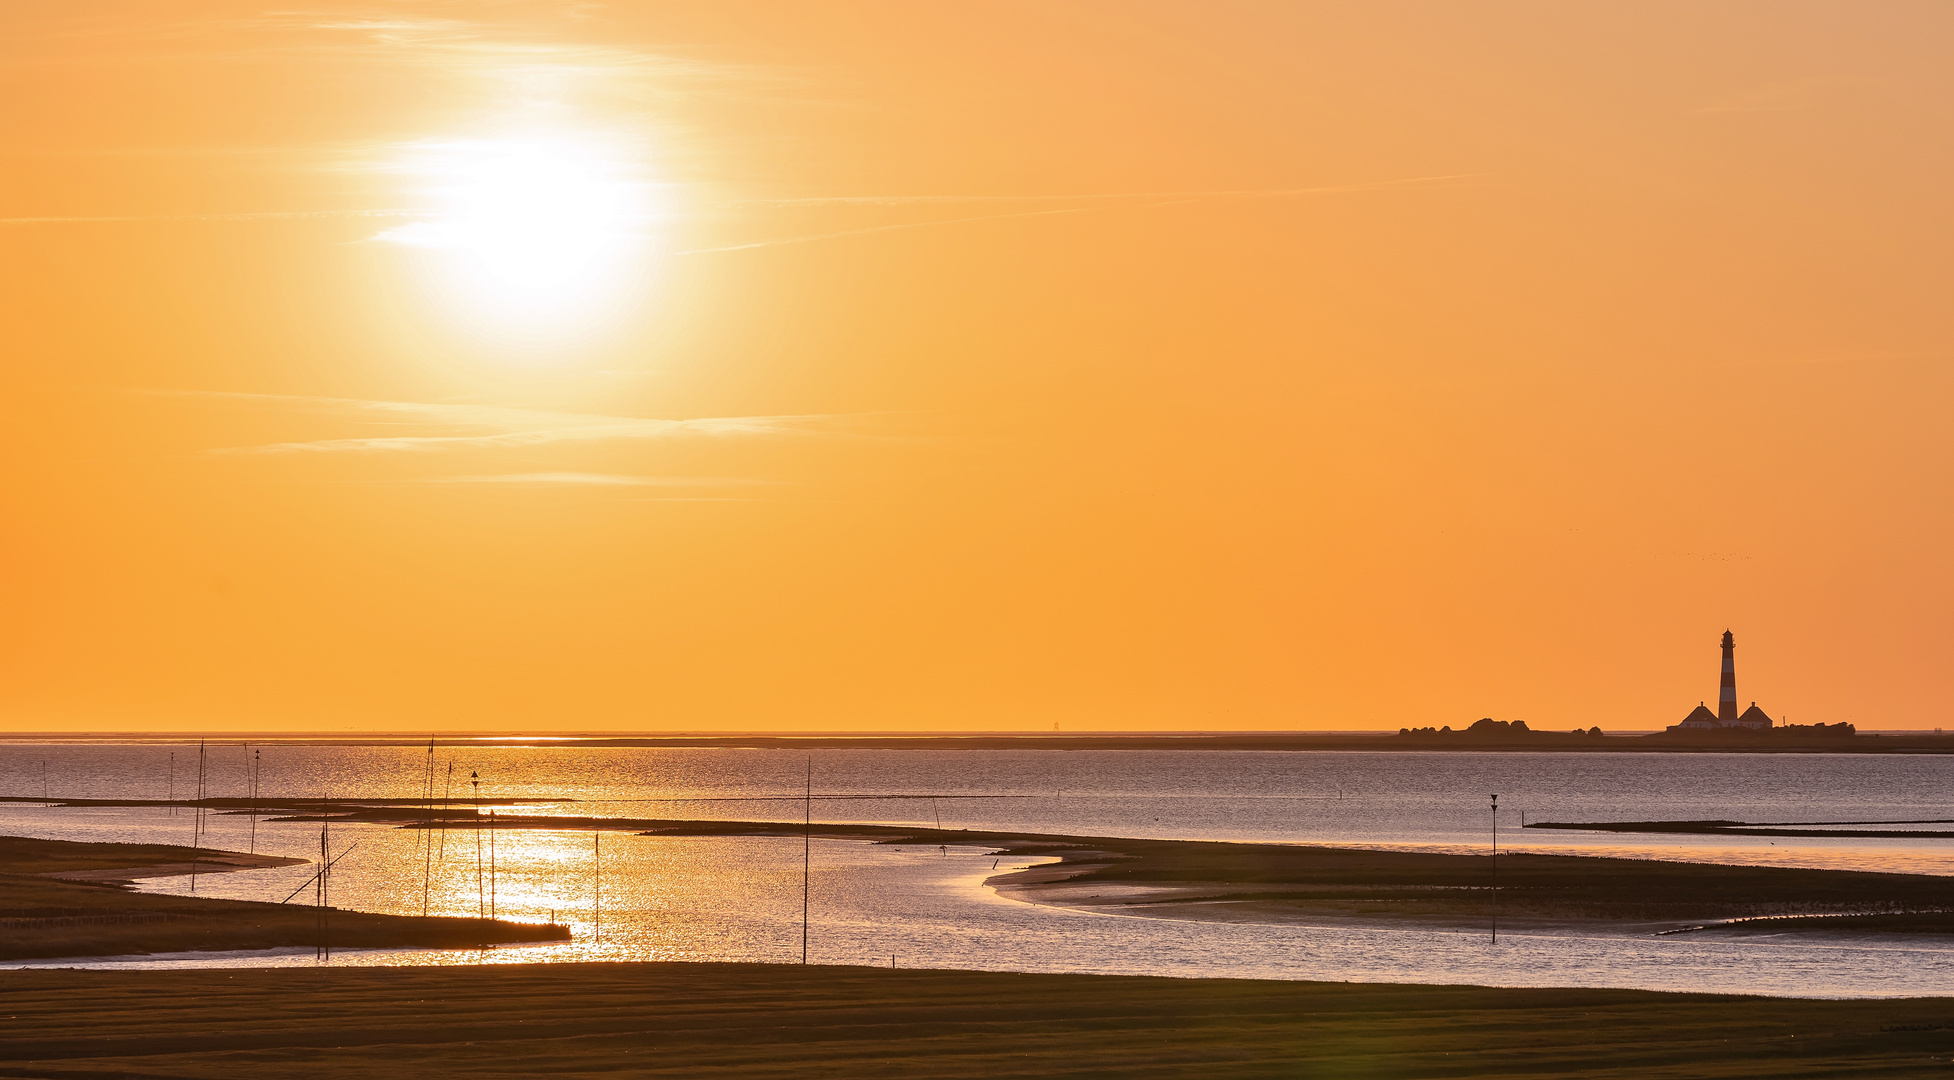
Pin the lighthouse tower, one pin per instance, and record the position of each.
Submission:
(1727, 690)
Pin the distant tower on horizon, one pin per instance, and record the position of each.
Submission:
(1727, 689)
(1726, 715)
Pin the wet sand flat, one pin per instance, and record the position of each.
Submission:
(1280, 884)
(64, 899)
(1216, 880)
(1304, 883)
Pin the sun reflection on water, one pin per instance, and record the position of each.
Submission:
(738, 898)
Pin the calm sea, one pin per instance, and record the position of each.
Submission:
(740, 897)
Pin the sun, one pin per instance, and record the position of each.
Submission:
(543, 231)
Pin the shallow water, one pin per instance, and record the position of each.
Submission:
(1428, 800)
(725, 898)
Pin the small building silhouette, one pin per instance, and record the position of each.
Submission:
(1700, 719)
(1754, 717)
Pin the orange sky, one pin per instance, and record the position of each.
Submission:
(1119, 365)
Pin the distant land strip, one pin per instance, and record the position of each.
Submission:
(1777, 741)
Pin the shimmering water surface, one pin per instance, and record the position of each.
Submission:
(725, 898)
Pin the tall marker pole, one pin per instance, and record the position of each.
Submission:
(1495, 869)
(255, 764)
(324, 950)
(447, 803)
(319, 890)
(197, 828)
(481, 901)
(325, 879)
(427, 826)
(807, 850)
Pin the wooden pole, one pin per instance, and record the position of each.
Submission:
(1496, 869)
(325, 882)
(319, 886)
(447, 802)
(427, 826)
(481, 905)
(319, 892)
(807, 850)
(197, 817)
(251, 783)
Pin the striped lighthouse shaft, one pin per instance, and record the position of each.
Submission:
(1727, 689)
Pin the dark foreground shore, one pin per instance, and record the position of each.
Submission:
(727, 1020)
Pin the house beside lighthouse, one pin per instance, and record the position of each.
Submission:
(1726, 717)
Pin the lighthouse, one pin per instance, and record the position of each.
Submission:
(1726, 716)
(1727, 689)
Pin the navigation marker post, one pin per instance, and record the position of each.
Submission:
(1495, 869)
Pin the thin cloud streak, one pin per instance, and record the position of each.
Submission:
(524, 74)
(265, 215)
(1240, 193)
(478, 48)
(584, 479)
(883, 228)
(1109, 200)
(1112, 199)
(619, 428)
(491, 426)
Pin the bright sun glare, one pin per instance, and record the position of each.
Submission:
(540, 231)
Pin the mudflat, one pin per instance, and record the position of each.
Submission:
(1287, 883)
(1196, 879)
(747, 1020)
(1184, 879)
(60, 899)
